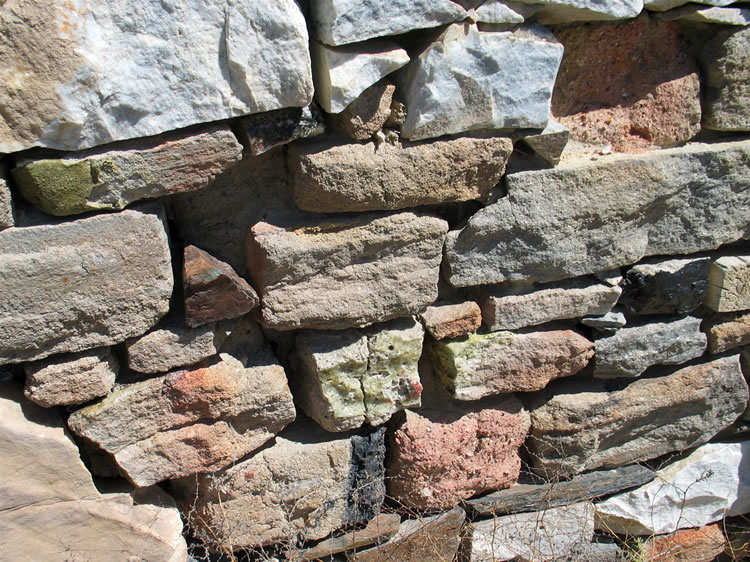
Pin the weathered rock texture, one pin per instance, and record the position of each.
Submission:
(484, 364)
(366, 115)
(364, 177)
(438, 458)
(726, 63)
(706, 14)
(729, 284)
(727, 331)
(112, 180)
(704, 543)
(71, 378)
(674, 201)
(79, 76)
(663, 5)
(378, 530)
(305, 275)
(50, 508)
(549, 143)
(6, 201)
(647, 90)
(704, 487)
(512, 307)
(469, 79)
(170, 345)
(452, 320)
(61, 284)
(582, 426)
(563, 11)
(195, 420)
(263, 131)
(630, 351)
(306, 485)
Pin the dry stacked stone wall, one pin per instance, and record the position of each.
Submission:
(411, 280)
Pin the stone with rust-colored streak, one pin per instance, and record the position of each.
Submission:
(452, 320)
(727, 331)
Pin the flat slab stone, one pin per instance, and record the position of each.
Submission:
(439, 457)
(171, 344)
(71, 378)
(727, 331)
(61, 283)
(379, 529)
(704, 487)
(729, 284)
(637, 206)
(330, 177)
(727, 81)
(564, 11)
(494, 80)
(484, 364)
(195, 420)
(305, 275)
(141, 169)
(261, 132)
(705, 14)
(663, 5)
(523, 498)
(447, 321)
(582, 426)
(95, 74)
(633, 349)
(610, 321)
(519, 306)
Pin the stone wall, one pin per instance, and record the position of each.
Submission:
(348, 279)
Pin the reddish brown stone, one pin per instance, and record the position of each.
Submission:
(727, 331)
(213, 290)
(688, 545)
(366, 115)
(646, 90)
(438, 458)
(452, 320)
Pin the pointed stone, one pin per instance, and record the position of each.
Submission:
(729, 284)
(727, 331)
(725, 61)
(496, 12)
(213, 290)
(452, 320)
(366, 115)
(550, 142)
(263, 131)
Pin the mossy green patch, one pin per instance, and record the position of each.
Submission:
(56, 186)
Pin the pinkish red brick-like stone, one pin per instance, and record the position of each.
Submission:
(438, 458)
(687, 545)
(452, 320)
(727, 331)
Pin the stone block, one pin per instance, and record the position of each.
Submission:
(366, 115)
(704, 543)
(378, 530)
(727, 331)
(447, 321)
(725, 59)
(263, 131)
(695, 13)
(663, 5)
(729, 284)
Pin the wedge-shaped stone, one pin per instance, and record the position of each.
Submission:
(704, 487)
(727, 331)
(674, 201)
(365, 177)
(631, 350)
(336, 22)
(725, 62)
(452, 320)
(345, 272)
(564, 11)
(496, 12)
(483, 364)
(94, 73)
(306, 485)
(470, 79)
(729, 284)
(112, 180)
(51, 495)
(263, 131)
(83, 284)
(549, 143)
(519, 306)
(195, 420)
(581, 426)
(439, 457)
(366, 115)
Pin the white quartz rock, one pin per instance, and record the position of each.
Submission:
(663, 5)
(495, 11)
(563, 11)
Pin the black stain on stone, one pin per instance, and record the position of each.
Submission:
(366, 476)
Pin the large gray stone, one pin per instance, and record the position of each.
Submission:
(631, 350)
(171, 344)
(83, 75)
(468, 79)
(729, 284)
(725, 60)
(330, 177)
(346, 272)
(50, 508)
(564, 11)
(589, 216)
(581, 425)
(336, 22)
(83, 284)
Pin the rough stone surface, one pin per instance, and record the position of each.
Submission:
(427, 538)
(61, 283)
(512, 307)
(663, 5)
(630, 351)
(543, 535)
(725, 62)
(581, 426)
(706, 486)
(452, 320)
(6, 201)
(363, 177)
(729, 284)
(549, 143)
(84, 75)
(706, 14)
(697, 545)
(213, 290)
(322, 484)
(366, 115)
(610, 321)
(647, 91)
(485, 364)
(170, 345)
(438, 458)
(336, 22)
(379, 529)
(538, 497)
(263, 131)
(71, 378)
(655, 286)
(564, 11)
(113, 179)
(305, 275)
(674, 201)
(468, 79)
(727, 331)
(194, 420)
(51, 496)
(496, 12)
(343, 73)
